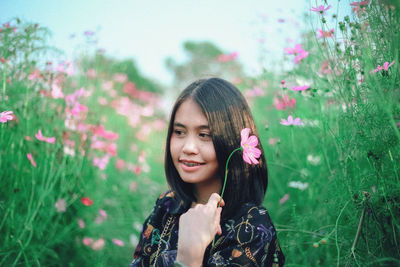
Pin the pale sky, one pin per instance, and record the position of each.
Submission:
(150, 31)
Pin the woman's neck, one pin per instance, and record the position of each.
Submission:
(204, 190)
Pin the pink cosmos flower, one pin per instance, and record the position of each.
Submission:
(284, 102)
(81, 223)
(227, 57)
(300, 56)
(298, 51)
(35, 75)
(56, 90)
(322, 34)
(30, 157)
(6, 116)
(320, 9)
(103, 213)
(61, 205)
(39, 136)
(284, 199)
(120, 164)
(101, 162)
(361, 3)
(385, 66)
(300, 88)
(101, 217)
(99, 130)
(250, 152)
(118, 242)
(98, 244)
(120, 77)
(77, 109)
(86, 201)
(290, 121)
(87, 241)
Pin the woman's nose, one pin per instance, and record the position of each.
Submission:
(190, 146)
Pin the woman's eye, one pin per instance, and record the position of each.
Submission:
(205, 135)
(178, 132)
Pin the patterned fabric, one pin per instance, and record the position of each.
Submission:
(247, 239)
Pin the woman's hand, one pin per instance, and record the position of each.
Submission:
(197, 228)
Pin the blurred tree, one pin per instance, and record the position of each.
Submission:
(204, 59)
(105, 64)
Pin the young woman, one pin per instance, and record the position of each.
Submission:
(191, 225)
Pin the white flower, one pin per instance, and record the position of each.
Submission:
(314, 160)
(298, 185)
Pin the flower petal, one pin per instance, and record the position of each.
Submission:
(252, 141)
(246, 158)
(244, 134)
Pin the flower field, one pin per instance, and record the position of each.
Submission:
(82, 143)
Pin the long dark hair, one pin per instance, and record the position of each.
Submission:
(227, 113)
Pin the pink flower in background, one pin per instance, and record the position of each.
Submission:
(35, 75)
(87, 241)
(320, 9)
(284, 199)
(6, 116)
(298, 51)
(77, 109)
(325, 67)
(98, 244)
(120, 77)
(120, 164)
(385, 66)
(61, 205)
(30, 157)
(39, 136)
(300, 56)
(86, 201)
(300, 88)
(256, 91)
(322, 34)
(103, 213)
(56, 90)
(227, 57)
(361, 3)
(101, 162)
(250, 152)
(281, 103)
(101, 217)
(292, 51)
(290, 121)
(99, 130)
(81, 223)
(118, 242)
(91, 73)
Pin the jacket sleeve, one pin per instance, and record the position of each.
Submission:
(249, 241)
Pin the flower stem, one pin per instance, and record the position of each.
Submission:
(226, 173)
(226, 176)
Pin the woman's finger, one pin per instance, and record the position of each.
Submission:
(213, 200)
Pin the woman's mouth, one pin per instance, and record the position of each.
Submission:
(189, 165)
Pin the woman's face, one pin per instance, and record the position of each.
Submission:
(191, 146)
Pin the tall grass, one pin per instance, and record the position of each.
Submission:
(337, 175)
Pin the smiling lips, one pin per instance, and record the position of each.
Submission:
(190, 165)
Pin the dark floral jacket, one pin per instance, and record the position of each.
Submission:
(247, 239)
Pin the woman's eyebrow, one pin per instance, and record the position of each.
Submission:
(201, 127)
